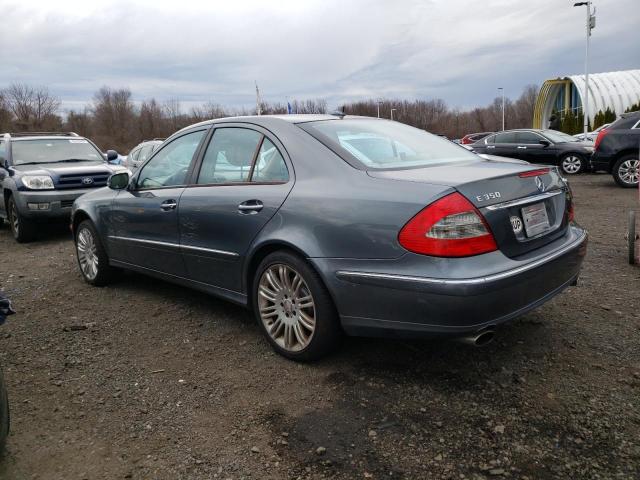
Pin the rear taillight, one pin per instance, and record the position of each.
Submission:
(599, 138)
(534, 173)
(449, 227)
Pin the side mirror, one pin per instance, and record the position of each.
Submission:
(545, 143)
(112, 155)
(118, 181)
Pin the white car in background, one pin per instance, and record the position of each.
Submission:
(591, 136)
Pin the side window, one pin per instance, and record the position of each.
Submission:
(505, 137)
(229, 156)
(169, 167)
(528, 137)
(270, 166)
(490, 139)
(3, 150)
(145, 152)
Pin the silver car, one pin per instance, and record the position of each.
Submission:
(324, 225)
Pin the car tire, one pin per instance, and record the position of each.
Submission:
(23, 229)
(631, 238)
(93, 260)
(5, 418)
(626, 171)
(293, 308)
(572, 164)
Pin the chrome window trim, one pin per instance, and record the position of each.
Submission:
(637, 125)
(173, 245)
(466, 281)
(522, 201)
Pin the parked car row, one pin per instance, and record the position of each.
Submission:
(615, 149)
(538, 146)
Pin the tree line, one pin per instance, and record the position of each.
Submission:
(114, 120)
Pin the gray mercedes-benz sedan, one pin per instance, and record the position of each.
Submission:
(328, 224)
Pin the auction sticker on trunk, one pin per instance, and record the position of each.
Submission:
(535, 219)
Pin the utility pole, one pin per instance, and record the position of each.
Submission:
(501, 89)
(590, 24)
(379, 102)
(392, 110)
(258, 101)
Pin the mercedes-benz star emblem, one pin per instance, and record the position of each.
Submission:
(540, 184)
(516, 224)
(87, 181)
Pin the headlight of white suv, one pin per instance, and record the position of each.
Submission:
(38, 182)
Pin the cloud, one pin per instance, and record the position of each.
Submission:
(196, 51)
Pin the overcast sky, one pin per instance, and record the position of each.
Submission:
(339, 50)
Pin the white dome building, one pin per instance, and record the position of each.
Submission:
(615, 90)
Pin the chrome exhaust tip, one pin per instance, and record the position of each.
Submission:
(480, 339)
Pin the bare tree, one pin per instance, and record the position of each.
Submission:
(113, 118)
(208, 111)
(33, 108)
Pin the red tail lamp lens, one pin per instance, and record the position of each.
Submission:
(449, 227)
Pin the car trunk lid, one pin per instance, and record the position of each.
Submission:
(526, 206)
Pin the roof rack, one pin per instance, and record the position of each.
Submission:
(40, 134)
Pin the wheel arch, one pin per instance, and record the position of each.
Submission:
(622, 153)
(78, 217)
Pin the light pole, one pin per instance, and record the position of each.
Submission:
(379, 102)
(501, 89)
(590, 24)
(392, 110)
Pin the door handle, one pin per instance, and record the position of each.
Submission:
(168, 205)
(522, 148)
(250, 207)
(491, 146)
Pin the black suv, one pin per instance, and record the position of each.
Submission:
(538, 146)
(139, 154)
(616, 150)
(41, 174)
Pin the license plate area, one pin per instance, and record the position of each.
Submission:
(536, 220)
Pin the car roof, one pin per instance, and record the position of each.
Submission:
(8, 136)
(269, 119)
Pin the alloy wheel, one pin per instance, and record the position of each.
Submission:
(571, 164)
(87, 254)
(629, 171)
(286, 307)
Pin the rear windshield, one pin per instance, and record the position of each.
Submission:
(382, 144)
(53, 150)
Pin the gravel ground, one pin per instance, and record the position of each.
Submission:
(146, 380)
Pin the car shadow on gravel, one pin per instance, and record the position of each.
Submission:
(393, 390)
(47, 234)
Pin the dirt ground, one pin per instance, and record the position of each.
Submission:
(148, 380)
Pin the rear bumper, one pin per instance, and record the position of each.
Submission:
(397, 305)
(59, 203)
(601, 161)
